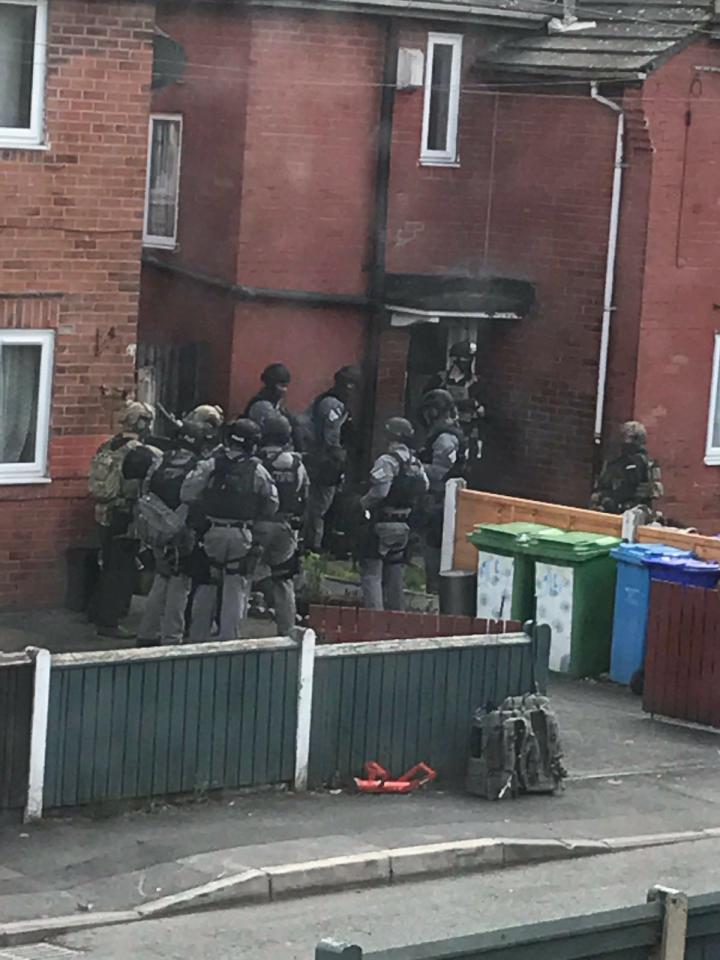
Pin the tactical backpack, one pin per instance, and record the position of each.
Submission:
(159, 526)
(409, 485)
(230, 493)
(286, 477)
(515, 749)
(105, 480)
(167, 479)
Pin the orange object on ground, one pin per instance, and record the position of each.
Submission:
(378, 780)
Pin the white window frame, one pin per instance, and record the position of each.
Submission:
(34, 135)
(37, 471)
(449, 156)
(165, 243)
(712, 453)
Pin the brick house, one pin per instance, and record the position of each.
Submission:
(74, 82)
(360, 184)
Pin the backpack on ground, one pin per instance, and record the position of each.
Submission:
(515, 749)
(157, 525)
(105, 479)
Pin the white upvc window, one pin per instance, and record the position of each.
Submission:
(23, 45)
(443, 70)
(26, 366)
(712, 445)
(163, 180)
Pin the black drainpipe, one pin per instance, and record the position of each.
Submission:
(378, 233)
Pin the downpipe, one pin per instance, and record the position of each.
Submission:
(609, 293)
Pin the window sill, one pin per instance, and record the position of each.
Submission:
(22, 145)
(712, 459)
(432, 162)
(151, 244)
(18, 480)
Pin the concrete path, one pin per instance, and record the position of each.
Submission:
(629, 775)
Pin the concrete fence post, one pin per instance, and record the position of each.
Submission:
(38, 733)
(306, 672)
(675, 917)
(332, 949)
(447, 547)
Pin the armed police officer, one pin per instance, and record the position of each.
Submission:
(278, 537)
(271, 397)
(326, 428)
(632, 479)
(168, 530)
(398, 482)
(460, 380)
(233, 491)
(444, 455)
(114, 482)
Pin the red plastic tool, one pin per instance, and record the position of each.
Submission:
(378, 780)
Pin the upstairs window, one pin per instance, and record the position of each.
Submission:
(23, 41)
(25, 391)
(712, 446)
(442, 98)
(163, 181)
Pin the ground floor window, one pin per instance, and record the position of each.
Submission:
(25, 390)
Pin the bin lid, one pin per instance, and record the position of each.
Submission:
(510, 537)
(639, 554)
(689, 565)
(572, 546)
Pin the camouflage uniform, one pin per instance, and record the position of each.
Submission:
(632, 479)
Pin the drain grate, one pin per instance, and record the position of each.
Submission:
(38, 951)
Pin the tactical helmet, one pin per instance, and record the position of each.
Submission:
(244, 433)
(275, 374)
(204, 422)
(634, 433)
(276, 429)
(398, 428)
(463, 349)
(135, 413)
(348, 375)
(435, 404)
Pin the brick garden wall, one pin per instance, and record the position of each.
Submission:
(70, 235)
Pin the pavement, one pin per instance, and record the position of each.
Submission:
(630, 775)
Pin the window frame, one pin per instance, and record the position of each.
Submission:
(149, 239)
(449, 156)
(712, 453)
(34, 135)
(37, 471)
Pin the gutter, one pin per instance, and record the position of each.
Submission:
(237, 291)
(613, 231)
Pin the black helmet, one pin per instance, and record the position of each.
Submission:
(276, 373)
(463, 349)
(276, 429)
(398, 428)
(347, 375)
(245, 434)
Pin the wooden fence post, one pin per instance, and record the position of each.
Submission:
(541, 637)
(447, 547)
(306, 672)
(675, 917)
(332, 949)
(38, 733)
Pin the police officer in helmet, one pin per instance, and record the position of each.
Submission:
(272, 395)
(461, 382)
(632, 479)
(163, 619)
(233, 491)
(397, 484)
(327, 423)
(444, 455)
(278, 537)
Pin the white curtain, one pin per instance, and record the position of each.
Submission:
(17, 32)
(163, 178)
(19, 384)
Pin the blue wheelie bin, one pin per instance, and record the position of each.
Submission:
(687, 571)
(635, 565)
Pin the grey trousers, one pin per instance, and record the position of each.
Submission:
(279, 543)
(382, 584)
(164, 616)
(226, 548)
(319, 502)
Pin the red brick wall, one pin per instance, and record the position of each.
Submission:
(679, 317)
(71, 221)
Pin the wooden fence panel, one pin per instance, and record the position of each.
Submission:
(682, 664)
(189, 721)
(356, 625)
(16, 696)
(410, 700)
